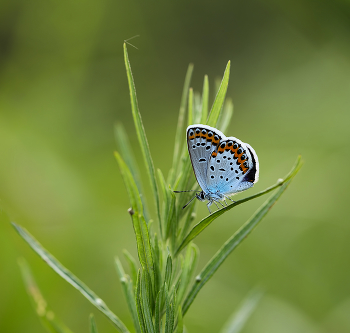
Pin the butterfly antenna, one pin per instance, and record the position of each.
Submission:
(189, 202)
(126, 41)
(186, 191)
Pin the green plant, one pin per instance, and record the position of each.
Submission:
(160, 291)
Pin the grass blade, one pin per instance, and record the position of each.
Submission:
(199, 227)
(168, 271)
(93, 327)
(128, 156)
(211, 267)
(169, 310)
(226, 115)
(47, 317)
(190, 107)
(205, 100)
(140, 227)
(146, 303)
(180, 324)
(128, 290)
(70, 278)
(138, 302)
(132, 265)
(219, 99)
(179, 136)
(141, 135)
(238, 320)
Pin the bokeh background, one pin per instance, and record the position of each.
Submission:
(63, 87)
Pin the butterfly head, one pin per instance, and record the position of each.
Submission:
(201, 196)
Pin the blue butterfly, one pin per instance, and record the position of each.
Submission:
(222, 165)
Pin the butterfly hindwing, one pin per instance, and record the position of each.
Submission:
(232, 168)
(202, 141)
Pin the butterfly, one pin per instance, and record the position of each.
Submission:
(222, 165)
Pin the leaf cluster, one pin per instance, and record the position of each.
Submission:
(160, 287)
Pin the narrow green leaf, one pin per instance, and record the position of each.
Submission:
(169, 318)
(200, 226)
(180, 324)
(205, 100)
(146, 303)
(166, 198)
(211, 267)
(132, 265)
(226, 115)
(219, 99)
(130, 185)
(197, 107)
(159, 309)
(168, 270)
(128, 156)
(191, 215)
(187, 271)
(93, 327)
(157, 260)
(138, 302)
(139, 223)
(179, 136)
(140, 131)
(70, 278)
(240, 317)
(128, 293)
(48, 319)
(190, 107)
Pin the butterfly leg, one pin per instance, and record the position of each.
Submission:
(228, 198)
(208, 205)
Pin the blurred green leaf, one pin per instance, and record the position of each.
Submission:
(211, 267)
(128, 156)
(166, 204)
(140, 131)
(200, 226)
(138, 301)
(132, 265)
(219, 99)
(236, 323)
(187, 271)
(146, 302)
(70, 278)
(179, 136)
(197, 107)
(159, 309)
(157, 261)
(93, 327)
(47, 317)
(180, 324)
(128, 290)
(139, 223)
(205, 100)
(226, 115)
(168, 270)
(169, 310)
(190, 107)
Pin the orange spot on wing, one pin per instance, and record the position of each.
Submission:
(214, 153)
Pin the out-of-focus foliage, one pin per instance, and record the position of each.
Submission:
(62, 88)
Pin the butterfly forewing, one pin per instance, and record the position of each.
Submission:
(202, 141)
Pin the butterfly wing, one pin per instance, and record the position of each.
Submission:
(232, 168)
(202, 141)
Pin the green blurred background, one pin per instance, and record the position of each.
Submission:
(63, 87)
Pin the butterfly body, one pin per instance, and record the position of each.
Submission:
(222, 165)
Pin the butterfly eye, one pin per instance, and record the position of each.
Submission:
(239, 151)
(235, 145)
